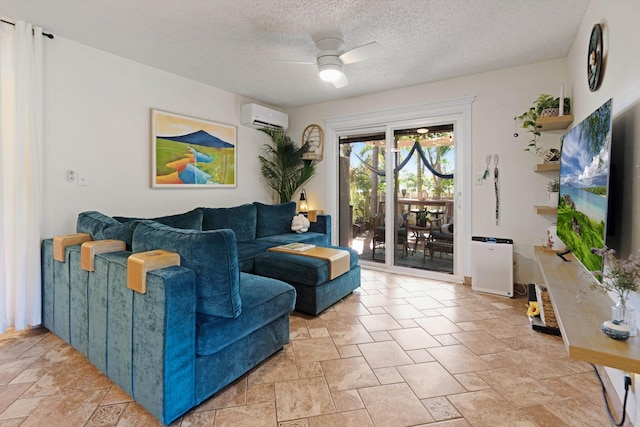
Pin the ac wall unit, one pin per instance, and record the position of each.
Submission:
(259, 116)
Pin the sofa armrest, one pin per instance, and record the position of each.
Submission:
(146, 344)
(322, 225)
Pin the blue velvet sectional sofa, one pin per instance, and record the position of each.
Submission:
(200, 325)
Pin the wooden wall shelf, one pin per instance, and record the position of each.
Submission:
(545, 167)
(554, 123)
(545, 210)
(580, 321)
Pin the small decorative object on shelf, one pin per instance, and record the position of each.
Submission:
(621, 277)
(553, 241)
(553, 190)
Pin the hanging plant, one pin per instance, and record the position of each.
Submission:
(544, 106)
(283, 168)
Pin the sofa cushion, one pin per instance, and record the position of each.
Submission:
(191, 220)
(263, 301)
(247, 251)
(123, 231)
(241, 219)
(94, 223)
(211, 254)
(283, 239)
(274, 219)
(300, 269)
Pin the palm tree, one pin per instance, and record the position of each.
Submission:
(283, 167)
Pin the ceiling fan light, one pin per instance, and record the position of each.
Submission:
(330, 72)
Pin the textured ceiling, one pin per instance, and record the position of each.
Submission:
(243, 46)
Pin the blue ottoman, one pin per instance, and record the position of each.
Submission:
(310, 276)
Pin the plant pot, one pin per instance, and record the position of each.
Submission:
(550, 112)
(553, 198)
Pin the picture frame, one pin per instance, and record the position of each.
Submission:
(314, 135)
(187, 152)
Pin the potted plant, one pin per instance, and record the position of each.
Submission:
(282, 166)
(553, 189)
(544, 106)
(620, 277)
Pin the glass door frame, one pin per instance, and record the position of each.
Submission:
(458, 112)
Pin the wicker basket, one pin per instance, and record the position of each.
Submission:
(547, 314)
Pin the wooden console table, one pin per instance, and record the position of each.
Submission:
(580, 321)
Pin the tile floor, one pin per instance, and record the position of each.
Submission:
(400, 351)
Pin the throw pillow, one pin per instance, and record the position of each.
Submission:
(300, 224)
(274, 219)
(212, 255)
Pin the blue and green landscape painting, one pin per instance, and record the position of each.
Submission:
(584, 179)
(194, 158)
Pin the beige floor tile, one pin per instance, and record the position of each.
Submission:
(348, 400)
(11, 368)
(459, 314)
(430, 380)
(438, 325)
(424, 303)
(21, 408)
(414, 338)
(349, 334)
(255, 415)
(106, 415)
(314, 350)
(279, 367)
(441, 409)
(381, 336)
(388, 375)
(370, 301)
(136, 416)
(458, 359)
(394, 405)
(472, 381)
(311, 369)
(379, 322)
(303, 398)
(235, 394)
(347, 374)
(359, 418)
(65, 409)
(115, 395)
(9, 393)
(487, 408)
(198, 419)
(62, 379)
(480, 342)
(420, 356)
(348, 351)
(384, 354)
(403, 311)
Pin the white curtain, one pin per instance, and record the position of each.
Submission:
(20, 174)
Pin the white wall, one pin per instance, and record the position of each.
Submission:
(621, 81)
(500, 96)
(97, 121)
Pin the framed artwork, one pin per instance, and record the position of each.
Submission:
(314, 135)
(192, 153)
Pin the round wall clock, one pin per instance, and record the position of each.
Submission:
(594, 58)
(314, 135)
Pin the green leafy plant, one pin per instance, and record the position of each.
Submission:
(283, 167)
(530, 117)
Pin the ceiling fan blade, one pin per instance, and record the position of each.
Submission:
(341, 82)
(287, 61)
(361, 53)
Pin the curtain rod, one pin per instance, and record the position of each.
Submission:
(11, 23)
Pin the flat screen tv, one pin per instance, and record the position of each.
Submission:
(584, 184)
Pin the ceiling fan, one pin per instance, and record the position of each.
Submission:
(331, 58)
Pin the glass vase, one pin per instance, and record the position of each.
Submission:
(621, 314)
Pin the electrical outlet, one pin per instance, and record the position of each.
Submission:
(478, 179)
(71, 175)
(83, 181)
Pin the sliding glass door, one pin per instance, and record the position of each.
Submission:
(403, 221)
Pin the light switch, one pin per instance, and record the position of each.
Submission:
(83, 181)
